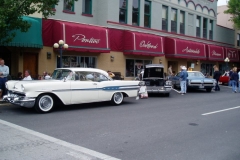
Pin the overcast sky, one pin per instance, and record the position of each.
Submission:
(222, 2)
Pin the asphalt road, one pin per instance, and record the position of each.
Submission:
(157, 128)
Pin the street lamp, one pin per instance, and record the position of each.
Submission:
(226, 60)
(61, 45)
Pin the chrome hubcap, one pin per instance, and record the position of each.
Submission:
(46, 103)
(118, 97)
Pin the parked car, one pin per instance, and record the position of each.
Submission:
(224, 79)
(195, 80)
(154, 79)
(70, 86)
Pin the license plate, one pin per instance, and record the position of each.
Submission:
(201, 86)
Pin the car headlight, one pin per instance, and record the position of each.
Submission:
(22, 87)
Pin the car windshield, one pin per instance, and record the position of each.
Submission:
(59, 74)
(195, 74)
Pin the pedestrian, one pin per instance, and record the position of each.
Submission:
(27, 75)
(239, 81)
(216, 76)
(19, 76)
(230, 75)
(234, 79)
(170, 73)
(183, 80)
(45, 75)
(4, 72)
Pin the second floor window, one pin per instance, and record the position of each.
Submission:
(198, 26)
(123, 11)
(135, 13)
(204, 27)
(164, 18)
(69, 5)
(147, 14)
(211, 30)
(182, 22)
(174, 20)
(87, 7)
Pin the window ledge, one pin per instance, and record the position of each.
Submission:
(69, 12)
(87, 15)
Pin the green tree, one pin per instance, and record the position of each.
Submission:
(11, 12)
(234, 10)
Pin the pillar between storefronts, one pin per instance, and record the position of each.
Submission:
(208, 22)
(194, 25)
(141, 13)
(201, 27)
(178, 21)
(129, 12)
(169, 19)
(186, 23)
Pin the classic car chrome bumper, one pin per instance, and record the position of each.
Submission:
(154, 89)
(19, 100)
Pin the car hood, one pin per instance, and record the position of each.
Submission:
(16, 85)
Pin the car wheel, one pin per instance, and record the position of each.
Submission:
(44, 104)
(117, 98)
(208, 89)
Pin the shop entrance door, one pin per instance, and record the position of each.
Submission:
(30, 62)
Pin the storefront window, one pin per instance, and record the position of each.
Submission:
(77, 61)
(134, 67)
(207, 69)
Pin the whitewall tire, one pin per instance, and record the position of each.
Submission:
(44, 103)
(117, 98)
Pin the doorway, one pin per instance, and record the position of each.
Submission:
(30, 62)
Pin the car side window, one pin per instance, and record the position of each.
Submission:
(102, 78)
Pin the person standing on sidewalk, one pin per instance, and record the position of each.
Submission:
(216, 76)
(183, 80)
(4, 72)
(170, 73)
(235, 79)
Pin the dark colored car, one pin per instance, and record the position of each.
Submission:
(155, 81)
(195, 80)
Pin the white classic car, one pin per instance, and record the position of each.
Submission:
(70, 86)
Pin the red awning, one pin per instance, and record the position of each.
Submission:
(179, 48)
(215, 53)
(142, 44)
(232, 54)
(81, 37)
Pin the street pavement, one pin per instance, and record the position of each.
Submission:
(198, 125)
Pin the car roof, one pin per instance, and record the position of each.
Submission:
(77, 69)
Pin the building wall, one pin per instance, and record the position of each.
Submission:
(223, 19)
(225, 35)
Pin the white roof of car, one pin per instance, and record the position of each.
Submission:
(87, 70)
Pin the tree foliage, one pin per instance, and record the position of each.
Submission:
(11, 12)
(234, 10)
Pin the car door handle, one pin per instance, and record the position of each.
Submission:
(94, 83)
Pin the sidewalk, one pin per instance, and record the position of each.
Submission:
(17, 142)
